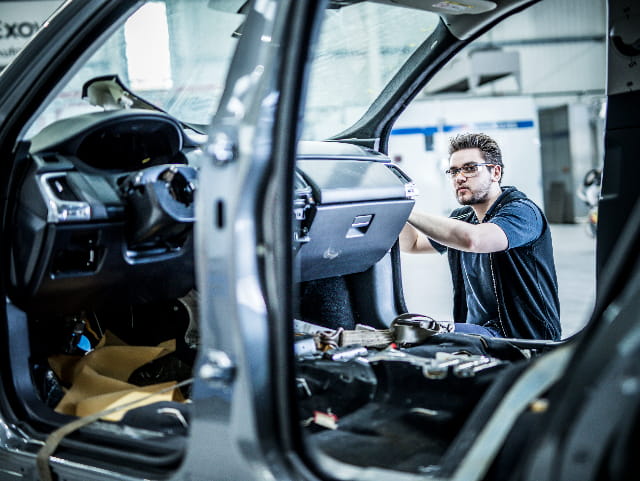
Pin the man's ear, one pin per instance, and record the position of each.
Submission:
(497, 173)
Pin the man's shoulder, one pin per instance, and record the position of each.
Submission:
(521, 220)
(512, 197)
(511, 193)
(522, 206)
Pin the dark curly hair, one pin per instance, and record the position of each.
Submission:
(488, 147)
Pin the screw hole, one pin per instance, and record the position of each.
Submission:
(220, 220)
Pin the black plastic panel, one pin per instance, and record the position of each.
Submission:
(70, 250)
(84, 266)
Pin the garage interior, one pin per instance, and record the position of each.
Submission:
(536, 83)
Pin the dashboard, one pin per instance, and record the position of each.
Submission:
(116, 140)
(105, 211)
(105, 203)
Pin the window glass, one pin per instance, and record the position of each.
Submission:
(360, 48)
(168, 54)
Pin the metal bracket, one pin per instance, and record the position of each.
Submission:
(218, 369)
(222, 148)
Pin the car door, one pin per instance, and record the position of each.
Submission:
(236, 432)
(244, 259)
(604, 369)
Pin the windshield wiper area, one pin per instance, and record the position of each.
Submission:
(110, 93)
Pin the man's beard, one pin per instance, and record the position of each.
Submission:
(477, 197)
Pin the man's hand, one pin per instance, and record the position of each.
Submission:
(480, 238)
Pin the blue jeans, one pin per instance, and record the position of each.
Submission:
(467, 328)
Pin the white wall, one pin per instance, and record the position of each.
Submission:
(511, 121)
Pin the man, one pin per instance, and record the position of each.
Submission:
(498, 245)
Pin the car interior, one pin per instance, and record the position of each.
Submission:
(102, 312)
(95, 243)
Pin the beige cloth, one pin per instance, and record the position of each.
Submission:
(98, 379)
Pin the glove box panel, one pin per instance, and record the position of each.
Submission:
(349, 238)
(355, 211)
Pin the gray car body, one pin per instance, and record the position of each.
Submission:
(243, 392)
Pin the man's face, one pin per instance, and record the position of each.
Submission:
(473, 189)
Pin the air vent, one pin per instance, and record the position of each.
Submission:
(61, 189)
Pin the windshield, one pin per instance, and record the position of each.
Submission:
(169, 54)
(359, 50)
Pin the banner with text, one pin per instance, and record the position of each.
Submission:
(19, 21)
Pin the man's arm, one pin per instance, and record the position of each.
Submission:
(411, 240)
(480, 238)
